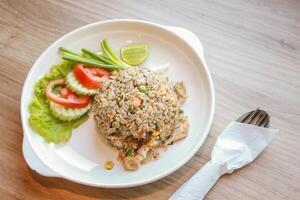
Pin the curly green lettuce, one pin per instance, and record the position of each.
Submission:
(41, 120)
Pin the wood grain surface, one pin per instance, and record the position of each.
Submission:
(252, 49)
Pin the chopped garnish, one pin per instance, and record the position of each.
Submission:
(127, 133)
(115, 124)
(121, 156)
(143, 107)
(136, 102)
(181, 111)
(143, 89)
(128, 152)
(109, 165)
(132, 111)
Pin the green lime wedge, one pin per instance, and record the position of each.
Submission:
(134, 54)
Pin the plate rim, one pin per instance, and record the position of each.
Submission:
(137, 183)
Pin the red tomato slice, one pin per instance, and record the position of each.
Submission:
(71, 100)
(65, 92)
(89, 77)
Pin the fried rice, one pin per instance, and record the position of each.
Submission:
(139, 111)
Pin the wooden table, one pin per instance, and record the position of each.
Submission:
(252, 49)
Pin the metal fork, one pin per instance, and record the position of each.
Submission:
(256, 117)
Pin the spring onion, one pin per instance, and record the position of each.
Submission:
(111, 55)
(71, 56)
(128, 152)
(96, 57)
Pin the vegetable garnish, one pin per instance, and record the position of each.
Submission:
(89, 77)
(135, 54)
(111, 55)
(90, 54)
(128, 152)
(62, 99)
(88, 61)
(67, 114)
(41, 119)
(115, 124)
(109, 165)
(65, 92)
(142, 107)
(136, 102)
(77, 87)
(132, 110)
(143, 89)
(72, 100)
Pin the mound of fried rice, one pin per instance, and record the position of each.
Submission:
(138, 112)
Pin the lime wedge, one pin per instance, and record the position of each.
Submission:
(134, 54)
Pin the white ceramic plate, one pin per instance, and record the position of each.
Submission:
(82, 158)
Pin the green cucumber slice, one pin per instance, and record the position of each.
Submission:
(67, 114)
(77, 87)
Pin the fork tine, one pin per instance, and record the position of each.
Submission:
(256, 117)
(268, 123)
(243, 117)
(261, 117)
(250, 118)
(264, 117)
(246, 117)
(265, 122)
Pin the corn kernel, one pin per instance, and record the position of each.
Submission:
(109, 165)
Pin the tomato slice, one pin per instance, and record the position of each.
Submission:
(65, 93)
(66, 98)
(89, 77)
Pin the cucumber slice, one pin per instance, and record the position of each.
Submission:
(77, 87)
(67, 114)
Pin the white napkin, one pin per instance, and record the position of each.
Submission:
(238, 145)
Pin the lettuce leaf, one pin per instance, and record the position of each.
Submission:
(41, 120)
